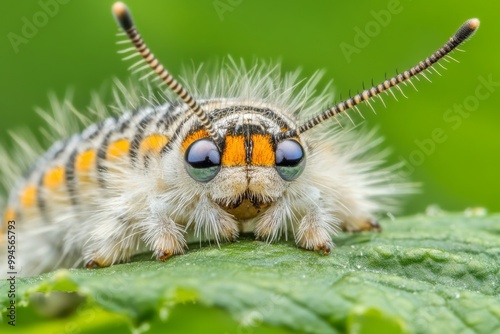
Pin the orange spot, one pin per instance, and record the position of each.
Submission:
(117, 149)
(10, 214)
(54, 177)
(28, 196)
(153, 143)
(85, 161)
(262, 151)
(234, 152)
(193, 137)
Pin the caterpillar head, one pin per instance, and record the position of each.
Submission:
(249, 169)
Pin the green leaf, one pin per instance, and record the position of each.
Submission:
(421, 274)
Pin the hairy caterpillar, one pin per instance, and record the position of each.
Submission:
(232, 156)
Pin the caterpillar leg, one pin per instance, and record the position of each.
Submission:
(315, 231)
(113, 241)
(210, 220)
(361, 224)
(273, 221)
(356, 216)
(165, 238)
(161, 233)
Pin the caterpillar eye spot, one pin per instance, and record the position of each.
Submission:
(202, 160)
(290, 159)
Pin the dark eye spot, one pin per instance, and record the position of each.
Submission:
(202, 160)
(290, 159)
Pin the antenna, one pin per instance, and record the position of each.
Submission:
(124, 19)
(463, 33)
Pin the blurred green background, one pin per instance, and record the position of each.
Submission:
(76, 48)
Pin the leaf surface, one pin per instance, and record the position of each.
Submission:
(420, 275)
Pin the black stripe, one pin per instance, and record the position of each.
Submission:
(121, 125)
(101, 157)
(102, 148)
(71, 182)
(163, 121)
(40, 199)
(70, 178)
(40, 194)
(125, 123)
(146, 161)
(138, 136)
(177, 131)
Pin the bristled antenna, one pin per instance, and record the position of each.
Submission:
(122, 15)
(124, 19)
(463, 33)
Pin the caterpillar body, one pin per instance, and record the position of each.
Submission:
(233, 156)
